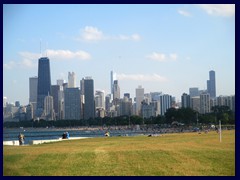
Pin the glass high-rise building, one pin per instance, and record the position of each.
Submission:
(88, 91)
(211, 84)
(139, 99)
(44, 83)
(33, 83)
(72, 104)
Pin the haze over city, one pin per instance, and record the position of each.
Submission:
(164, 48)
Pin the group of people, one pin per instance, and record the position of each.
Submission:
(65, 135)
(21, 139)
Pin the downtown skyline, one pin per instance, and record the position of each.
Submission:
(163, 48)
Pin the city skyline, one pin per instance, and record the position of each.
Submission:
(163, 48)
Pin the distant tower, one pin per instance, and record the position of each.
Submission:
(48, 107)
(33, 88)
(112, 78)
(44, 83)
(55, 91)
(88, 91)
(116, 90)
(204, 103)
(139, 99)
(165, 103)
(185, 100)
(99, 99)
(71, 80)
(33, 84)
(211, 84)
(72, 104)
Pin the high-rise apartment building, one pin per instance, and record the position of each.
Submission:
(185, 100)
(195, 103)
(211, 84)
(72, 109)
(48, 108)
(165, 103)
(44, 83)
(204, 103)
(71, 80)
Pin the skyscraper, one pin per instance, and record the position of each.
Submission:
(33, 84)
(185, 100)
(211, 84)
(55, 91)
(204, 103)
(71, 80)
(165, 103)
(112, 78)
(48, 108)
(99, 99)
(44, 83)
(88, 90)
(116, 90)
(139, 99)
(72, 109)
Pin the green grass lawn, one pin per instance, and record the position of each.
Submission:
(186, 154)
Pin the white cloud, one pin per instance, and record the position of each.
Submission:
(30, 60)
(161, 57)
(66, 54)
(93, 34)
(142, 77)
(226, 10)
(184, 13)
(90, 33)
(157, 56)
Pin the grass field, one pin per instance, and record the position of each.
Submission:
(186, 154)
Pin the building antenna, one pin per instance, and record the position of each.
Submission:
(40, 47)
(46, 48)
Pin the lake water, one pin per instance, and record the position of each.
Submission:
(52, 133)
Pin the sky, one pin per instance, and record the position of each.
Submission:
(164, 48)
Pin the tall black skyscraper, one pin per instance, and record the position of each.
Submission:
(211, 84)
(44, 83)
(88, 90)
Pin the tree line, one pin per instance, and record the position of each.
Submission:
(186, 116)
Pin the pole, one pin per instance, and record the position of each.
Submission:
(220, 131)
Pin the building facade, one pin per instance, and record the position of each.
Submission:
(44, 83)
(72, 103)
(71, 80)
(211, 84)
(139, 99)
(89, 105)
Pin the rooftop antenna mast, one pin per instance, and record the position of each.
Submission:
(46, 48)
(40, 47)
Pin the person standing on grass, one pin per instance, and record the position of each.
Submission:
(21, 139)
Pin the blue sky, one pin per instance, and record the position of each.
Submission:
(167, 48)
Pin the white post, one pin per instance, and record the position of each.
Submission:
(220, 131)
